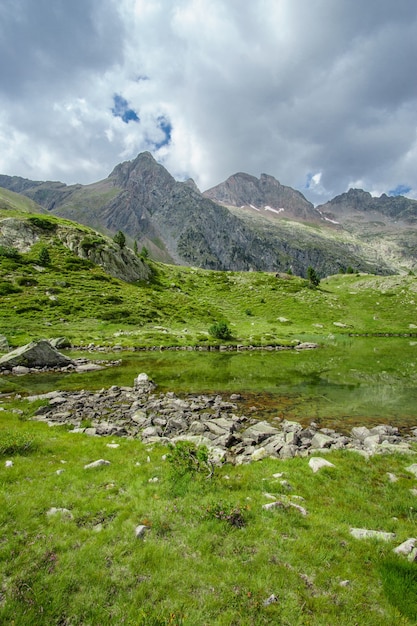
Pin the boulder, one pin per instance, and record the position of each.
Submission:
(37, 354)
(60, 343)
(316, 463)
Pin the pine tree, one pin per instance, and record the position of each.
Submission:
(120, 239)
(313, 276)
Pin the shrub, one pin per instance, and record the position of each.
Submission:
(186, 458)
(231, 514)
(44, 256)
(7, 288)
(90, 242)
(12, 442)
(220, 330)
(43, 223)
(9, 253)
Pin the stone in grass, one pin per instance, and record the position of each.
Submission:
(406, 547)
(363, 533)
(141, 530)
(64, 513)
(413, 469)
(284, 505)
(316, 463)
(8, 464)
(271, 600)
(98, 463)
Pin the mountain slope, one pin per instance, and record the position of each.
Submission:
(23, 230)
(243, 224)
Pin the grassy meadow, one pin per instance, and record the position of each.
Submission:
(211, 555)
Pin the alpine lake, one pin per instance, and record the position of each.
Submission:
(346, 382)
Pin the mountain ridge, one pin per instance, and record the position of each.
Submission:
(244, 223)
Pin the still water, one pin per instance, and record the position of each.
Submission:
(346, 382)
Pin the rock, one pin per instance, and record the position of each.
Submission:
(141, 530)
(88, 367)
(307, 346)
(392, 477)
(406, 547)
(316, 463)
(288, 451)
(285, 505)
(8, 464)
(143, 384)
(259, 431)
(321, 441)
(98, 463)
(272, 598)
(360, 432)
(363, 533)
(60, 343)
(20, 370)
(65, 513)
(259, 454)
(37, 354)
(413, 469)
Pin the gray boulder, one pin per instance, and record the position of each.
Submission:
(37, 354)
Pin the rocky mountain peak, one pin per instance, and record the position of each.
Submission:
(143, 170)
(264, 193)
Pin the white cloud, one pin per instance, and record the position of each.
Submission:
(286, 88)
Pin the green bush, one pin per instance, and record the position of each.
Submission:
(90, 242)
(9, 253)
(220, 330)
(185, 458)
(7, 288)
(12, 442)
(44, 256)
(43, 223)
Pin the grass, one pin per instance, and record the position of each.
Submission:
(212, 554)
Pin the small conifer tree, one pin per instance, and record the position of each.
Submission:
(313, 276)
(44, 257)
(120, 239)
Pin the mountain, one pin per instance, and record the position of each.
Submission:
(244, 223)
(263, 194)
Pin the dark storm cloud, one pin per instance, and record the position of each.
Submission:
(321, 94)
(48, 43)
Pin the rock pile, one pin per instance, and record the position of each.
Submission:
(137, 412)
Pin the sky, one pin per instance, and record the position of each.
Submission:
(321, 94)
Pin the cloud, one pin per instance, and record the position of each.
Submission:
(291, 88)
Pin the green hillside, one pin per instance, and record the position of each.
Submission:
(175, 305)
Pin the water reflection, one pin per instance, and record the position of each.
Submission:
(337, 385)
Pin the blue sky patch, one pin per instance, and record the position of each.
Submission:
(400, 190)
(165, 125)
(121, 109)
